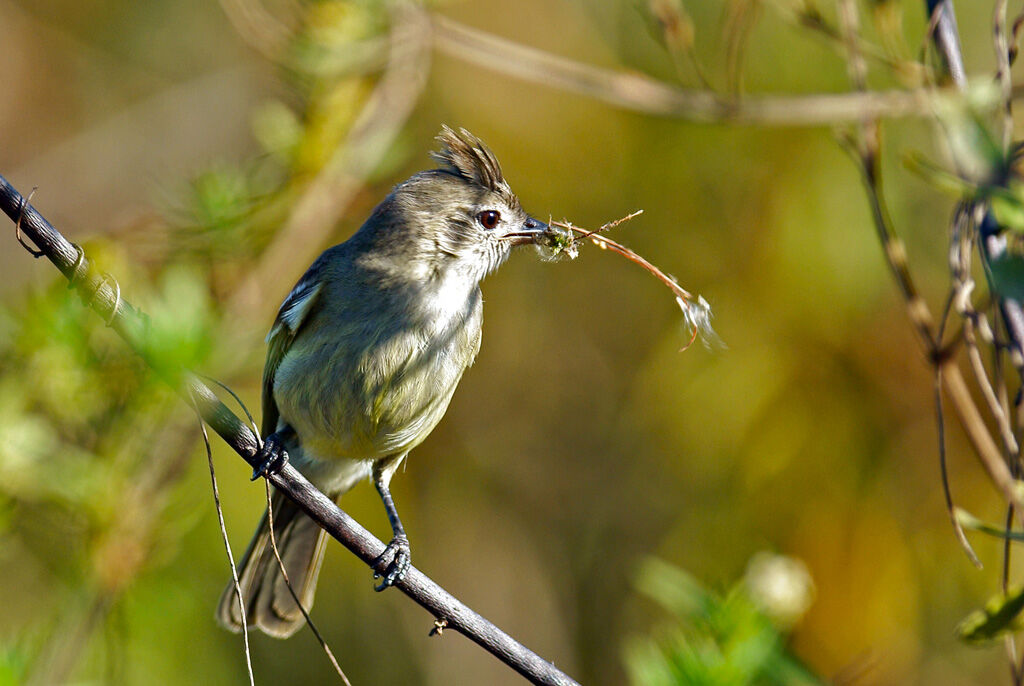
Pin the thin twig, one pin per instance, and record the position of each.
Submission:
(740, 20)
(849, 30)
(928, 44)
(287, 582)
(1014, 47)
(245, 410)
(940, 426)
(988, 392)
(958, 528)
(985, 447)
(273, 543)
(678, 36)
(640, 93)
(804, 17)
(17, 225)
(696, 310)
(1003, 70)
(224, 537)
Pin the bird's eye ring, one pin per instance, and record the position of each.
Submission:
(489, 218)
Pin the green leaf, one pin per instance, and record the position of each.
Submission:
(1000, 616)
(1007, 275)
(977, 154)
(13, 666)
(969, 521)
(278, 129)
(938, 177)
(1008, 208)
(675, 590)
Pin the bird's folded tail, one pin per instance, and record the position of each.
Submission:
(268, 604)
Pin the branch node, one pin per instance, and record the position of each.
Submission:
(439, 626)
(938, 356)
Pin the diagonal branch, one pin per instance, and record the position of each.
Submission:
(101, 293)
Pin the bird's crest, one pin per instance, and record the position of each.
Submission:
(468, 157)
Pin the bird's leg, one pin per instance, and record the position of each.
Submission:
(397, 554)
(272, 454)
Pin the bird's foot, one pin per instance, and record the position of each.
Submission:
(272, 457)
(398, 557)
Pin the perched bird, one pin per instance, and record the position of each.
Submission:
(364, 357)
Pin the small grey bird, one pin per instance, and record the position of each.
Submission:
(364, 357)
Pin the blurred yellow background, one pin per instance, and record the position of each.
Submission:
(580, 443)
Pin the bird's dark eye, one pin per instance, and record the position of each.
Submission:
(489, 218)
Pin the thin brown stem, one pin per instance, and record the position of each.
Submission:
(695, 309)
(639, 93)
(1002, 50)
(947, 493)
(988, 392)
(224, 536)
(298, 603)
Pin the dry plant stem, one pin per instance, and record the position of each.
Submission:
(128, 322)
(1004, 582)
(608, 244)
(988, 391)
(640, 93)
(288, 582)
(895, 253)
(227, 543)
(958, 528)
(741, 16)
(927, 44)
(673, 19)
(829, 33)
(977, 432)
(940, 424)
(1014, 47)
(684, 298)
(1002, 50)
(962, 248)
(855, 65)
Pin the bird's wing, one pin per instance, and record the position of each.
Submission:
(294, 312)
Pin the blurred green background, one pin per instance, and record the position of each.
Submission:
(205, 160)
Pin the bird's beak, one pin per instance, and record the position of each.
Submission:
(528, 233)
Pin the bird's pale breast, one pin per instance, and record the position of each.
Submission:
(386, 386)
